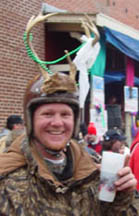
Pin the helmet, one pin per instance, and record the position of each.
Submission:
(59, 88)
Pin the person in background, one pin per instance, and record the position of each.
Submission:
(14, 128)
(4, 132)
(112, 100)
(134, 159)
(12, 122)
(92, 139)
(124, 149)
(6, 129)
(82, 141)
(134, 162)
(134, 150)
(82, 132)
(113, 140)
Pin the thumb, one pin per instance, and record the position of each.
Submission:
(127, 158)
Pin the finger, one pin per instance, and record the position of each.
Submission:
(124, 171)
(128, 186)
(126, 163)
(124, 179)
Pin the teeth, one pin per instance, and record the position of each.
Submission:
(56, 132)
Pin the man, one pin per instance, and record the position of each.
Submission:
(46, 172)
(13, 122)
(83, 141)
(14, 127)
(134, 163)
(93, 139)
(134, 160)
(113, 140)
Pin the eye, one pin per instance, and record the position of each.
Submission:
(66, 114)
(47, 114)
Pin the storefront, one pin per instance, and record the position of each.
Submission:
(121, 43)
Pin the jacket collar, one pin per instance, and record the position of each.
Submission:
(83, 165)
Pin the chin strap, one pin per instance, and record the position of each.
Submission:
(53, 153)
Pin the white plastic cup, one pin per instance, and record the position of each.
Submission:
(110, 165)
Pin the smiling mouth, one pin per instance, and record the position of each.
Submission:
(56, 132)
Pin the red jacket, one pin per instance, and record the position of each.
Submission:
(97, 147)
(134, 160)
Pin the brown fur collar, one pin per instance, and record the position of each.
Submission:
(15, 158)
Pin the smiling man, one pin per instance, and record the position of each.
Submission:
(53, 128)
(53, 125)
(45, 171)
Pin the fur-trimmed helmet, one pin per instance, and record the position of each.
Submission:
(60, 88)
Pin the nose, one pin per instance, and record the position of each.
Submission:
(57, 120)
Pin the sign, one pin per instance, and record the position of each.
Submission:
(100, 120)
(98, 91)
(131, 99)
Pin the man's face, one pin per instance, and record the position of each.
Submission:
(91, 138)
(116, 146)
(53, 125)
(18, 126)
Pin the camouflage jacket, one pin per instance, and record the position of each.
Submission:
(28, 188)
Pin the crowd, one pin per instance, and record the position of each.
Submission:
(113, 140)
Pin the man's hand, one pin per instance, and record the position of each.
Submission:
(127, 180)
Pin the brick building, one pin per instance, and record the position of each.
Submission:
(16, 68)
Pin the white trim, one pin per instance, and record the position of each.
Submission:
(104, 20)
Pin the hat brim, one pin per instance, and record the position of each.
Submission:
(121, 138)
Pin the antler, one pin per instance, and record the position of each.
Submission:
(86, 30)
(93, 28)
(89, 27)
(31, 23)
(72, 66)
